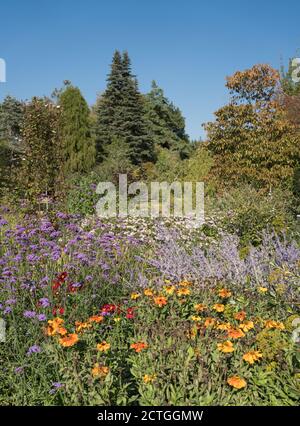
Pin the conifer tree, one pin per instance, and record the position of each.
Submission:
(120, 113)
(78, 145)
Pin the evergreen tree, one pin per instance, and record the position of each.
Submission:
(165, 121)
(78, 145)
(120, 113)
(11, 117)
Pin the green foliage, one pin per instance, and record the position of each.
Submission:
(247, 212)
(11, 117)
(165, 122)
(81, 197)
(78, 145)
(120, 113)
(289, 86)
(40, 173)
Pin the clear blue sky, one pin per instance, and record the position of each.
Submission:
(188, 46)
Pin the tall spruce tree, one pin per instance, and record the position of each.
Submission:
(78, 145)
(165, 122)
(120, 113)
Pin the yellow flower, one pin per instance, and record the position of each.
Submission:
(235, 333)
(169, 289)
(160, 301)
(236, 382)
(246, 326)
(262, 290)
(200, 307)
(81, 326)
(274, 324)
(195, 318)
(69, 340)
(185, 283)
(219, 307)
(148, 292)
(183, 291)
(100, 370)
(149, 378)
(224, 293)
(135, 296)
(226, 347)
(103, 346)
(55, 327)
(252, 356)
(117, 319)
(224, 326)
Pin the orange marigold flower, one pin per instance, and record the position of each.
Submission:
(209, 322)
(96, 318)
(139, 346)
(219, 307)
(69, 340)
(103, 346)
(149, 378)
(183, 291)
(224, 293)
(169, 289)
(226, 347)
(160, 301)
(100, 371)
(235, 333)
(240, 316)
(236, 382)
(252, 356)
(274, 324)
(246, 326)
(199, 307)
(148, 292)
(135, 296)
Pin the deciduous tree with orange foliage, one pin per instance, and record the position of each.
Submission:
(251, 139)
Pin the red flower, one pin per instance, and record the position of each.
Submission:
(58, 311)
(108, 309)
(62, 276)
(130, 313)
(56, 285)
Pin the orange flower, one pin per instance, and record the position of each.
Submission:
(195, 318)
(224, 326)
(226, 347)
(68, 340)
(224, 293)
(103, 346)
(240, 316)
(200, 307)
(55, 327)
(135, 296)
(160, 301)
(219, 307)
(81, 326)
(274, 324)
(252, 356)
(148, 292)
(235, 333)
(209, 322)
(100, 370)
(236, 382)
(96, 318)
(149, 378)
(139, 346)
(169, 289)
(192, 333)
(183, 291)
(246, 326)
